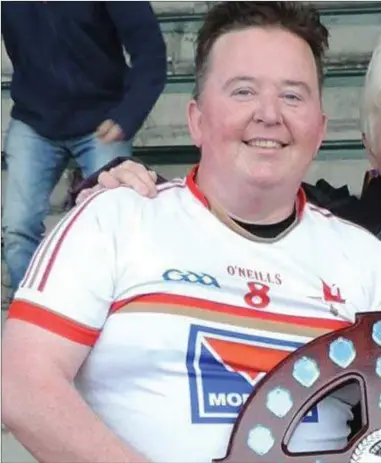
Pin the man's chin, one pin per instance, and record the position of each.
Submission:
(263, 178)
(267, 184)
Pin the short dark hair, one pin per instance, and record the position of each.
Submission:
(301, 19)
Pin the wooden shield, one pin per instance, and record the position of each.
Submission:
(279, 402)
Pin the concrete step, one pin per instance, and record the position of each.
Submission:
(168, 8)
(344, 24)
(354, 28)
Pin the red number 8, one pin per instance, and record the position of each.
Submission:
(258, 296)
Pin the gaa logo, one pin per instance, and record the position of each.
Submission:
(190, 277)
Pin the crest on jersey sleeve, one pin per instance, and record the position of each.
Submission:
(224, 367)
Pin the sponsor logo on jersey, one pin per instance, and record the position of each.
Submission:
(224, 367)
(331, 294)
(185, 276)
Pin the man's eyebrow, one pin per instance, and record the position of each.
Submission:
(236, 79)
(285, 83)
(297, 83)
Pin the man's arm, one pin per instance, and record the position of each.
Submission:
(56, 317)
(41, 406)
(140, 33)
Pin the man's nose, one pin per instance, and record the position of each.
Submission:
(267, 110)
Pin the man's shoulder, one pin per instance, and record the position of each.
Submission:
(363, 210)
(347, 232)
(123, 199)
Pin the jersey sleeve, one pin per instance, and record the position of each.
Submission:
(363, 252)
(68, 287)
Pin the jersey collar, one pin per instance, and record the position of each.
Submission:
(301, 199)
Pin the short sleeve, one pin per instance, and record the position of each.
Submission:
(69, 285)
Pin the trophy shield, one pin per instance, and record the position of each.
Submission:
(281, 399)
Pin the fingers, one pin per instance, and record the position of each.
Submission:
(153, 174)
(86, 193)
(129, 174)
(108, 179)
(114, 134)
(104, 128)
(145, 180)
(82, 196)
(109, 131)
(132, 175)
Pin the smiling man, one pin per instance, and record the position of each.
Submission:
(258, 120)
(166, 312)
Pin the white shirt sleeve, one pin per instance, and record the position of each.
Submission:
(72, 274)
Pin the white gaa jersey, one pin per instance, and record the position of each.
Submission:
(186, 312)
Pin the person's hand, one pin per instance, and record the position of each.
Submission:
(128, 174)
(132, 175)
(86, 193)
(109, 131)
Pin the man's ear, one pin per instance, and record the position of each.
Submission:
(194, 119)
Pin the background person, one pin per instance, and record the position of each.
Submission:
(74, 95)
(371, 128)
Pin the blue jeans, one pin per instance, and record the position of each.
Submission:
(35, 165)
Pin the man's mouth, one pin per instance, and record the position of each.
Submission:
(265, 143)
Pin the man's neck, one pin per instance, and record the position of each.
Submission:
(246, 203)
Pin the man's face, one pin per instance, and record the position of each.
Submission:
(259, 117)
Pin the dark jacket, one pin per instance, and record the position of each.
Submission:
(70, 72)
(364, 211)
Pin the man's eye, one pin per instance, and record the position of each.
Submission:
(292, 97)
(243, 92)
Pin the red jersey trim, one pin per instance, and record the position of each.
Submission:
(301, 199)
(33, 276)
(191, 184)
(69, 329)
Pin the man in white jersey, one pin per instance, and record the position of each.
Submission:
(165, 312)
(364, 210)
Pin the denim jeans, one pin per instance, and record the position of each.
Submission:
(35, 165)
